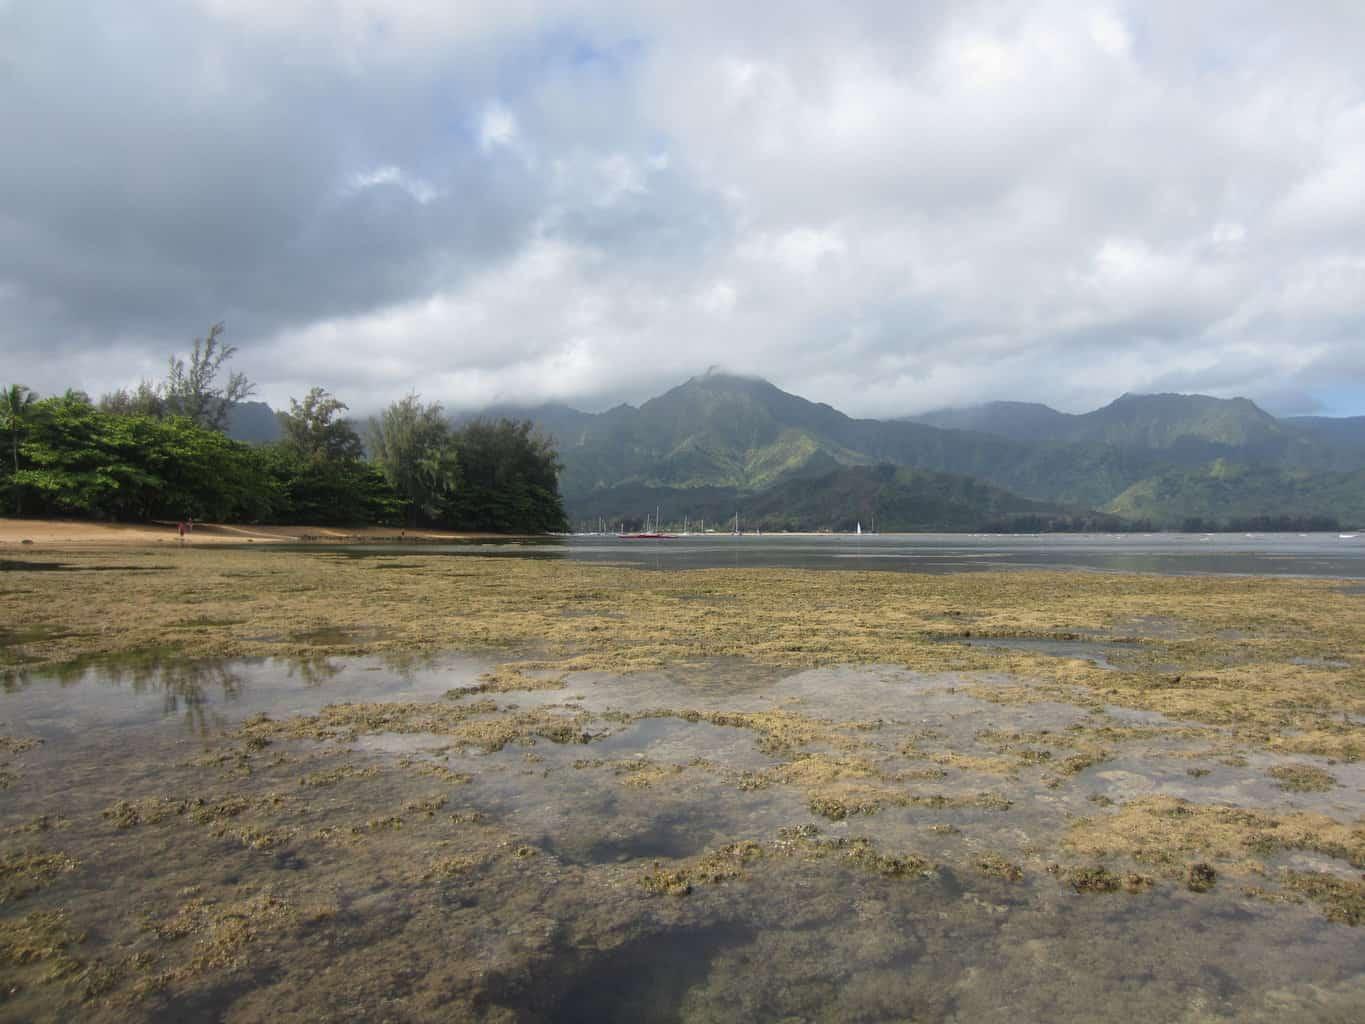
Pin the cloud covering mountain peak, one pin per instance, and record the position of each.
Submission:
(897, 206)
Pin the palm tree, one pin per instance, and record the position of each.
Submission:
(15, 403)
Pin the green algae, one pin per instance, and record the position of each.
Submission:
(1342, 900)
(999, 867)
(1200, 877)
(42, 938)
(474, 724)
(1303, 778)
(1097, 878)
(28, 871)
(734, 860)
(1164, 832)
(1244, 646)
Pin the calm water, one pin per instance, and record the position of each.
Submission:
(540, 914)
(1276, 554)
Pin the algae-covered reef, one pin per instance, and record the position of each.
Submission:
(695, 796)
(1278, 659)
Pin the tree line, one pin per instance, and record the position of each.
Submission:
(1262, 524)
(160, 451)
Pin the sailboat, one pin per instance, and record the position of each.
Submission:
(647, 533)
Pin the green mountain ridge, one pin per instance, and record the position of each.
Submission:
(253, 422)
(1190, 429)
(891, 498)
(718, 442)
(898, 498)
(1230, 492)
(747, 434)
(1141, 421)
(1348, 430)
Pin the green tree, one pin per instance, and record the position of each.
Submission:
(81, 461)
(509, 480)
(16, 406)
(320, 468)
(342, 492)
(412, 446)
(316, 430)
(192, 390)
(147, 399)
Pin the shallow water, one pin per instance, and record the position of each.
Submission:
(1269, 554)
(95, 704)
(1093, 651)
(410, 868)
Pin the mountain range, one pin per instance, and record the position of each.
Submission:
(720, 445)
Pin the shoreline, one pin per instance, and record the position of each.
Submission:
(61, 533)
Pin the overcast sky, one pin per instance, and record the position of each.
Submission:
(889, 207)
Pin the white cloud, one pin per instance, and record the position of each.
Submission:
(719, 299)
(422, 191)
(888, 206)
(497, 127)
(1109, 33)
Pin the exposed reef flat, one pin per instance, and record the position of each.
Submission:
(256, 785)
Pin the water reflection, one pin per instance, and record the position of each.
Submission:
(187, 688)
(314, 670)
(205, 695)
(1261, 554)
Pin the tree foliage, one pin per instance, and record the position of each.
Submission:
(192, 389)
(133, 457)
(509, 479)
(489, 475)
(77, 460)
(411, 444)
(320, 467)
(147, 399)
(336, 492)
(16, 403)
(315, 429)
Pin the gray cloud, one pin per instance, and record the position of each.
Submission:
(888, 207)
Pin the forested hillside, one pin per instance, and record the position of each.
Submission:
(718, 441)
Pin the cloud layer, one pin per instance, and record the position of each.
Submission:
(886, 206)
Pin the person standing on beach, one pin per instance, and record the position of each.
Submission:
(181, 527)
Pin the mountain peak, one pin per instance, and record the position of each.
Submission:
(1178, 397)
(715, 379)
(1161, 420)
(1030, 421)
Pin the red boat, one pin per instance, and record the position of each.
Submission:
(647, 533)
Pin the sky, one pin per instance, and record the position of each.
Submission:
(887, 206)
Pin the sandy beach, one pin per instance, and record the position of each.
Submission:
(61, 533)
